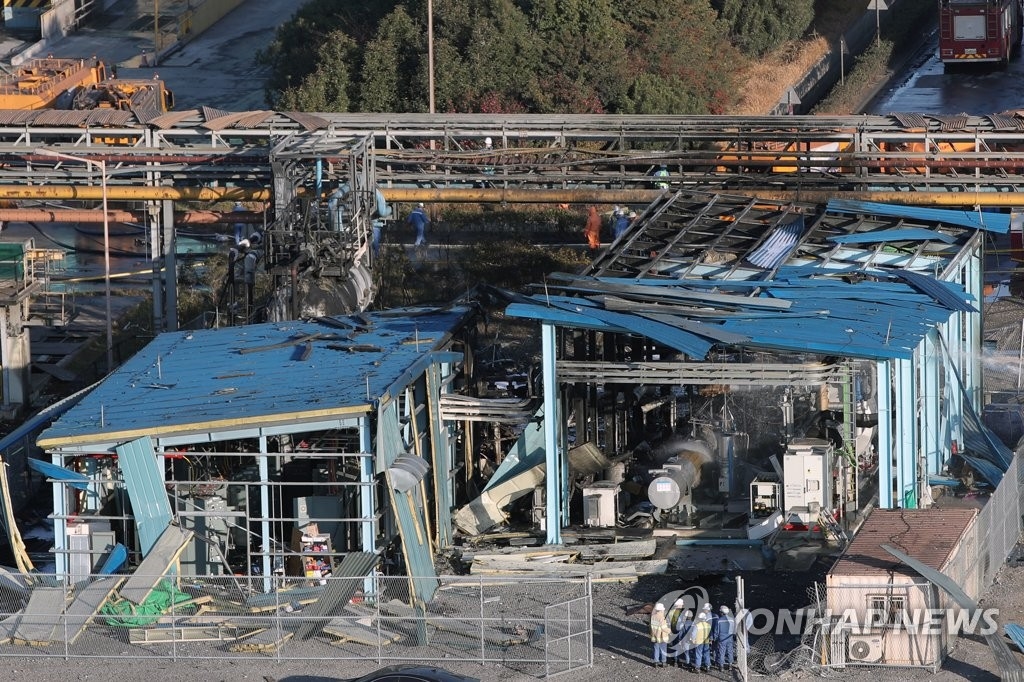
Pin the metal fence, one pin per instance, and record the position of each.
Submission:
(533, 626)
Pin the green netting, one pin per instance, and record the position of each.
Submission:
(123, 613)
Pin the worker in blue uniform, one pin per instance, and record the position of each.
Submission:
(724, 635)
(419, 220)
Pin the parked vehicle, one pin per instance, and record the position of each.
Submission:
(980, 30)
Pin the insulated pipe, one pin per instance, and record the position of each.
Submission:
(119, 193)
(72, 215)
(618, 196)
(511, 196)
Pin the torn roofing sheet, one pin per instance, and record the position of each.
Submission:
(827, 313)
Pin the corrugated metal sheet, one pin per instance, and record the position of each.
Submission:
(815, 310)
(144, 481)
(172, 118)
(951, 123)
(778, 246)
(928, 535)
(346, 580)
(940, 291)
(979, 220)
(307, 121)
(245, 377)
(254, 119)
(908, 119)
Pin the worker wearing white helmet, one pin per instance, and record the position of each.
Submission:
(724, 635)
(660, 635)
(700, 642)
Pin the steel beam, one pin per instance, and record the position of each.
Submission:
(552, 428)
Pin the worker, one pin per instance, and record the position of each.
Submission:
(673, 616)
(662, 172)
(620, 223)
(724, 634)
(660, 635)
(700, 640)
(488, 146)
(239, 227)
(681, 644)
(593, 229)
(419, 220)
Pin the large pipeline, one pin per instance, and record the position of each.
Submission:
(75, 215)
(509, 196)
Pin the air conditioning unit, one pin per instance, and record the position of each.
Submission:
(864, 649)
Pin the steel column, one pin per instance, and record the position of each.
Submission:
(170, 266)
(930, 413)
(552, 429)
(973, 375)
(263, 459)
(367, 531)
(885, 433)
(905, 412)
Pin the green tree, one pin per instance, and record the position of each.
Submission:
(295, 50)
(327, 88)
(394, 74)
(758, 26)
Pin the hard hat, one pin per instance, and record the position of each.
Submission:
(688, 614)
(702, 616)
(244, 244)
(707, 607)
(678, 602)
(487, 141)
(724, 609)
(659, 607)
(632, 214)
(420, 205)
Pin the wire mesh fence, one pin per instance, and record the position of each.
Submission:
(530, 625)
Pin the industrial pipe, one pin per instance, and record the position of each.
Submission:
(118, 193)
(511, 196)
(73, 215)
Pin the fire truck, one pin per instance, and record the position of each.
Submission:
(980, 30)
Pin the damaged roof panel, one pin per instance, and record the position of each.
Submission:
(249, 376)
(697, 283)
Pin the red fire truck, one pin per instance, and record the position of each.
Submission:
(980, 30)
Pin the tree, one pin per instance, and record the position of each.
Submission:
(758, 26)
(394, 73)
(327, 88)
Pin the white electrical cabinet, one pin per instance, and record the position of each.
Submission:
(601, 504)
(807, 475)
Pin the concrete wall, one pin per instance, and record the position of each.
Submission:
(57, 21)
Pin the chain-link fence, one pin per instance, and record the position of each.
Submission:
(533, 626)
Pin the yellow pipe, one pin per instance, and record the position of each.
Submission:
(509, 196)
(118, 193)
(641, 196)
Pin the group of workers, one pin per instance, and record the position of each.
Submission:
(621, 218)
(694, 643)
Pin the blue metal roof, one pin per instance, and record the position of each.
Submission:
(252, 376)
(713, 269)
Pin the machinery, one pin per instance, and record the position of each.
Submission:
(49, 83)
(807, 477)
(671, 488)
(980, 30)
(125, 95)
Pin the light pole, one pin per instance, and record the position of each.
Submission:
(101, 165)
(430, 55)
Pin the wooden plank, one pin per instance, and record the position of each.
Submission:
(473, 631)
(640, 549)
(353, 631)
(194, 633)
(165, 552)
(41, 616)
(267, 641)
(86, 603)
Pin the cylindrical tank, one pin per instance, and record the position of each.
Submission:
(682, 474)
(676, 445)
